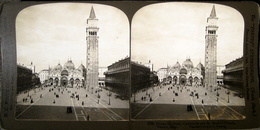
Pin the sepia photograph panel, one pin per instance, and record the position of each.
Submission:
(187, 62)
(72, 63)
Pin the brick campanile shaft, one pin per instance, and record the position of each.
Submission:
(92, 51)
(211, 50)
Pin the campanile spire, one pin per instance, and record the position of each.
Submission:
(213, 12)
(92, 13)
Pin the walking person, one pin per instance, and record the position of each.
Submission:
(88, 117)
(209, 116)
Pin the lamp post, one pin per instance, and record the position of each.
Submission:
(109, 94)
(134, 96)
(147, 90)
(217, 91)
(228, 95)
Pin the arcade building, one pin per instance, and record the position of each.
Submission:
(117, 77)
(233, 74)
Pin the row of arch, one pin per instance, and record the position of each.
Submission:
(183, 80)
(64, 81)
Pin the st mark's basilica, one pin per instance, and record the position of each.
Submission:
(66, 75)
(185, 73)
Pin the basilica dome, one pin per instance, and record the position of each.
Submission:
(58, 67)
(177, 65)
(81, 67)
(69, 65)
(199, 66)
(187, 63)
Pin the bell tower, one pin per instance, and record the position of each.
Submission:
(92, 51)
(211, 50)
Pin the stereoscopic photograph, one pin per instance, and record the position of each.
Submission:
(129, 65)
(187, 62)
(72, 63)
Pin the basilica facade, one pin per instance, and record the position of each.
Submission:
(185, 73)
(66, 75)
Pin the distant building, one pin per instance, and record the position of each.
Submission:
(233, 74)
(220, 68)
(31, 67)
(117, 77)
(101, 76)
(149, 65)
(161, 73)
(44, 76)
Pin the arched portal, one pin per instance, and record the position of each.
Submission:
(175, 80)
(64, 81)
(183, 71)
(56, 81)
(183, 80)
(190, 80)
(71, 82)
(77, 82)
(169, 79)
(64, 73)
(83, 82)
(196, 80)
(51, 81)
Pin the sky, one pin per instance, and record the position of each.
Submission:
(170, 32)
(49, 34)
